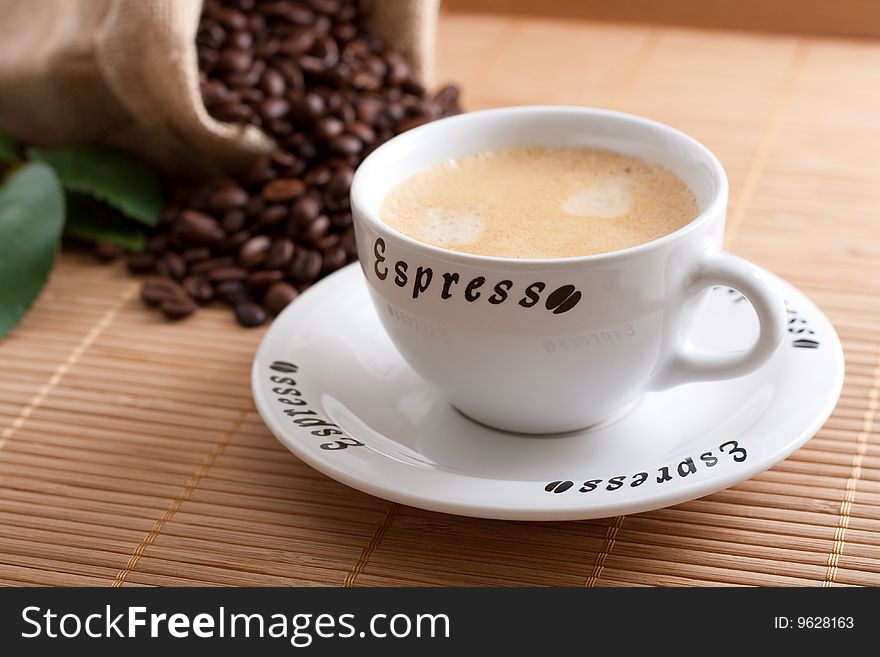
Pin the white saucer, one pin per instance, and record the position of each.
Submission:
(399, 440)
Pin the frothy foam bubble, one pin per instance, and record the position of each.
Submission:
(607, 199)
(447, 226)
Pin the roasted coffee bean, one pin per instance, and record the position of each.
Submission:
(319, 176)
(334, 258)
(271, 215)
(140, 263)
(362, 131)
(223, 274)
(447, 97)
(232, 243)
(241, 39)
(274, 108)
(346, 144)
(305, 209)
(254, 250)
(233, 221)
(414, 87)
(245, 82)
(256, 204)
(178, 307)
(307, 108)
(340, 182)
(306, 266)
(283, 160)
(330, 7)
(368, 109)
(329, 128)
(233, 112)
(208, 58)
(293, 76)
(278, 296)
(228, 195)
(215, 92)
(272, 83)
(283, 189)
(172, 265)
(316, 228)
(234, 60)
(232, 292)
(196, 254)
(250, 314)
(267, 49)
(259, 174)
(197, 228)
(260, 280)
(329, 240)
(210, 35)
(198, 288)
(341, 220)
(211, 264)
(299, 42)
(366, 80)
(344, 32)
(314, 68)
(231, 18)
(253, 97)
(279, 254)
(157, 290)
(322, 24)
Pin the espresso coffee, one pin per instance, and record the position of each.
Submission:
(536, 202)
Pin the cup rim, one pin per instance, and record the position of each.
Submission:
(711, 210)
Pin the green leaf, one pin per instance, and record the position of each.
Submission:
(8, 150)
(31, 216)
(116, 178)
(92, 220)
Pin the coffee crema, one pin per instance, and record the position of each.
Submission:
(537, 202)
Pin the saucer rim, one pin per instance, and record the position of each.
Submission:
(531, 512)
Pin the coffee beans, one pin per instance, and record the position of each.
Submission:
(249, 313)
(278, 296)
(179, 307)
(228, 195)
(310, 75)
(198, 228)
(157, 290)
(283, 189)
(254, 250)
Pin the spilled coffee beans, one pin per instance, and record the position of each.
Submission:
(309, 74)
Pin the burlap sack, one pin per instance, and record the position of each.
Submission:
(125, 72)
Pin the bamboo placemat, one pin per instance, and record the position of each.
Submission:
(131, 452)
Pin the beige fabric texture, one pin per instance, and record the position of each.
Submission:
(125, 72)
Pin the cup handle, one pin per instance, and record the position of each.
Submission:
(686, 364)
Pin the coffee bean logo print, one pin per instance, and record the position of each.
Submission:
(558, 486)
(563, 299)
(284, 366)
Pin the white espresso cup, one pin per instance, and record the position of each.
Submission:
(557, 344)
